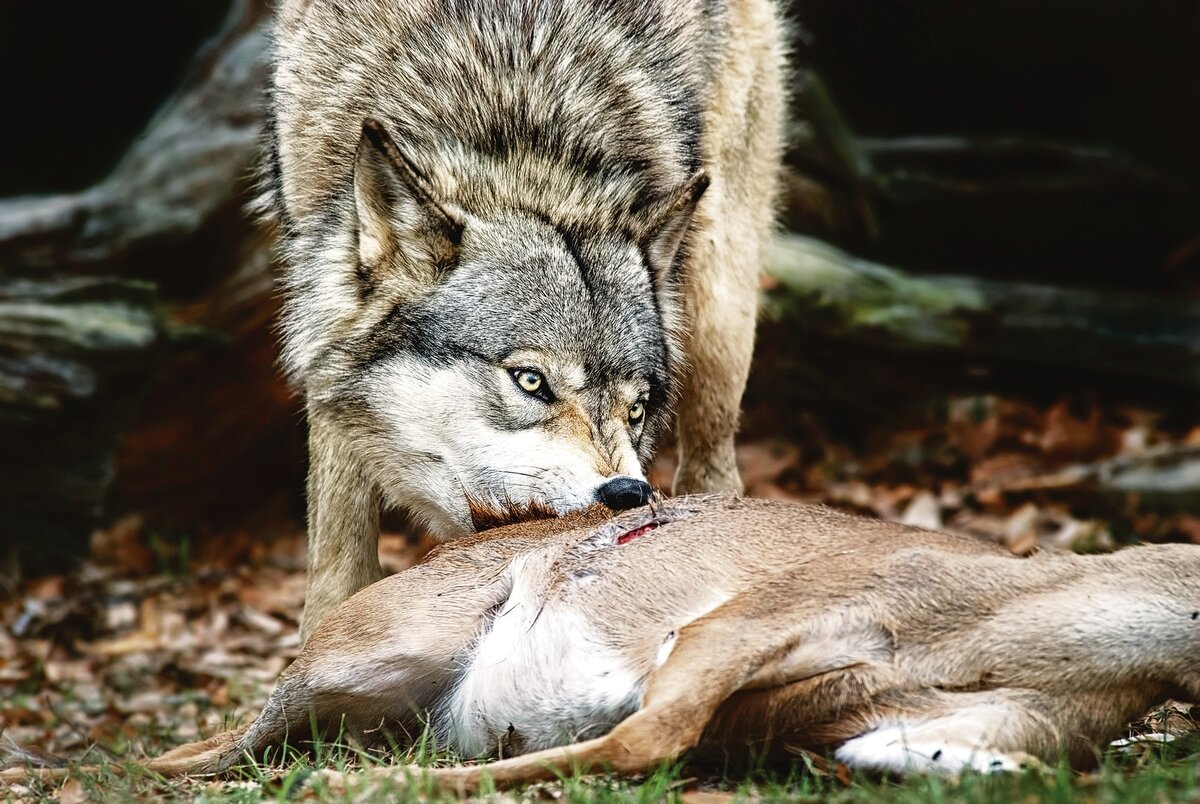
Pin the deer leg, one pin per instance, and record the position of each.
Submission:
(202, 758)
(949, 732)
(682, 695)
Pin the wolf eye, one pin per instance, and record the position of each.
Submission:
(636, 411)
(533, 383)
(530, 381)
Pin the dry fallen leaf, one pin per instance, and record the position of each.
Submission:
(923, 512)
(72, 792)
(998, 469)
(1065, 435)
(762, 462)
(705, 797)
(1020, 532)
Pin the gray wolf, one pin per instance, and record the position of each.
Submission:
(518, 236)
(722, 624)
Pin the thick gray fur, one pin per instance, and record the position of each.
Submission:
(470, 188)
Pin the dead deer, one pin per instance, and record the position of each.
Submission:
(589, 644)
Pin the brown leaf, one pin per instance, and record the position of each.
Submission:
(1006, 466)
(11, 671)
(1065, 435)
(262, 622)
(888, 501)
(134, 643)
(1020, 532)
(973, 425)
(855, 494)
(148, 636)
(52, 587)
(705, 797)
(72, 792)
(121, 548)
(923, 512)
(763, 462)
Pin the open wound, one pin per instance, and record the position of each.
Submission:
(628, 526)
(630, 535)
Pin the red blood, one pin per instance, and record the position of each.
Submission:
(633, 534)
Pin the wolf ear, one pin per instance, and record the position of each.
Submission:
(402, 228)
(666, 221)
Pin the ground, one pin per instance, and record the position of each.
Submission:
(153, 643)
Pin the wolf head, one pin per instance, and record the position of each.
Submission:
(490, 358)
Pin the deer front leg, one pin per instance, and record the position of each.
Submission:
(343, 523)
(713, 657)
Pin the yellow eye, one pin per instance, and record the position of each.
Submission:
(530, 381)
(636, 411)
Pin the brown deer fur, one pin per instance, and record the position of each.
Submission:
(718, 623)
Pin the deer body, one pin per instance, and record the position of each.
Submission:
(719, 623)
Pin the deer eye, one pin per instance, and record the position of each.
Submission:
(533, 383)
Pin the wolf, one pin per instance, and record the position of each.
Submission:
(519, 237)
(735, 627)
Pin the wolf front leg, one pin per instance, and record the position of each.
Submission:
(722, 298)
(343, 523)
(743, 149)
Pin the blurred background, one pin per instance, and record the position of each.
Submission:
(983, 311)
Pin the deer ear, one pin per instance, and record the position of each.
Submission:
(403, 230)
(665, 221)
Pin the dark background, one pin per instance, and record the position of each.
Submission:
(81, 83)
(82, 79)
(1052, 143)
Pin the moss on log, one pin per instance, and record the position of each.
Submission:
(873, 315)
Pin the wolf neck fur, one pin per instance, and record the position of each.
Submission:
(484, 111)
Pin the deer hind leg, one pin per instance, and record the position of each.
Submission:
(949, 732)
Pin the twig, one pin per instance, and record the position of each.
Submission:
(79, 732)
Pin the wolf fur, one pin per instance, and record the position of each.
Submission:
(738, 627)
(468, 189)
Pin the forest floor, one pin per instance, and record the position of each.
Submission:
(156, 642)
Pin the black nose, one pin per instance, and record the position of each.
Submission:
(624, 492)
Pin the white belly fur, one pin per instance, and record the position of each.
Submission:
(541, 672)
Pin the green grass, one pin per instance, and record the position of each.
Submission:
(1165, 773)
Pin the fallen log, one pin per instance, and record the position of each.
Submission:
(74, 357)
(102, 286)
(187, 168)
(1164, 479)
(870, 325)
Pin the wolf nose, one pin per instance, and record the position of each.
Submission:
(624, 492)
